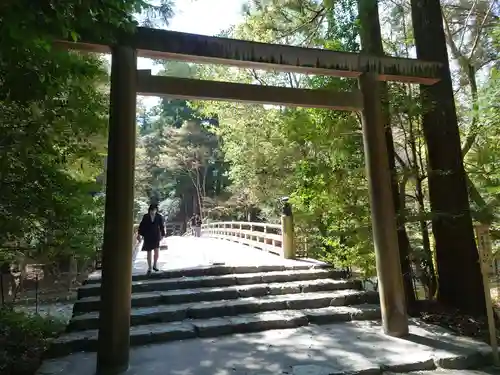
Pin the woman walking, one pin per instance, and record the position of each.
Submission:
(152, 230)
(196, 225)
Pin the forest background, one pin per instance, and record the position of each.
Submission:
(232, 161)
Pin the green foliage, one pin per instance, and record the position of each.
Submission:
(53, 134)
(53, 119)
(23, 339)
(170, 206)
(191, 151)
(155, 183)
(483, 160)
(330, 195)
(40, 21)
(179, 161)
(314, 156)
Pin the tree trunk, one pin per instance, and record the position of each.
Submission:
(429, 277)
(426, 243)
(371, 40)
(252, 215)
(218, 181)
(460, 281)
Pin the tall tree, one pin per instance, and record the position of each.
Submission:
(192, 150)
(456, 251)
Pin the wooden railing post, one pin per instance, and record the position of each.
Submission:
(287, 232)
(485, 259)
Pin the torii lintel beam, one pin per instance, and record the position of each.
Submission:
(165, 44)
(186, 88)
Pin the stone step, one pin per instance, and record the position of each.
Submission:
(147, 299)
(218, 308)
(156, 283)
(216, 270)
(188, 329)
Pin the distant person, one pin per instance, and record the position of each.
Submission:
(152, 230)
(196, 225)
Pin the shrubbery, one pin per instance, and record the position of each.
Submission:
(23, 340)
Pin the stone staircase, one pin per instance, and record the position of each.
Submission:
(222, 300)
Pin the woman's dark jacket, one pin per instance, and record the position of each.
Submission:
(152, 231)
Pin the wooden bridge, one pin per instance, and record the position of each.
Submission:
(263, 236)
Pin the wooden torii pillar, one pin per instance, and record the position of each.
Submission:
(116, 286)
(126, 81)
(383, 214)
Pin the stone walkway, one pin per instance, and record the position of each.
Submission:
(354, 348)
(350, 348)
(190, 252)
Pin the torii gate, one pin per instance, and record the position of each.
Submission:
(127, 81)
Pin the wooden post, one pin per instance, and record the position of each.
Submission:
(392, 297)
(485, 259)
(287, 232)
(371, 42)
(116, 286)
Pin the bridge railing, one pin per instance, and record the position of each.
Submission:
(264, 236)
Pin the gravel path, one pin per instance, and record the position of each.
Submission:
(57, 310)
